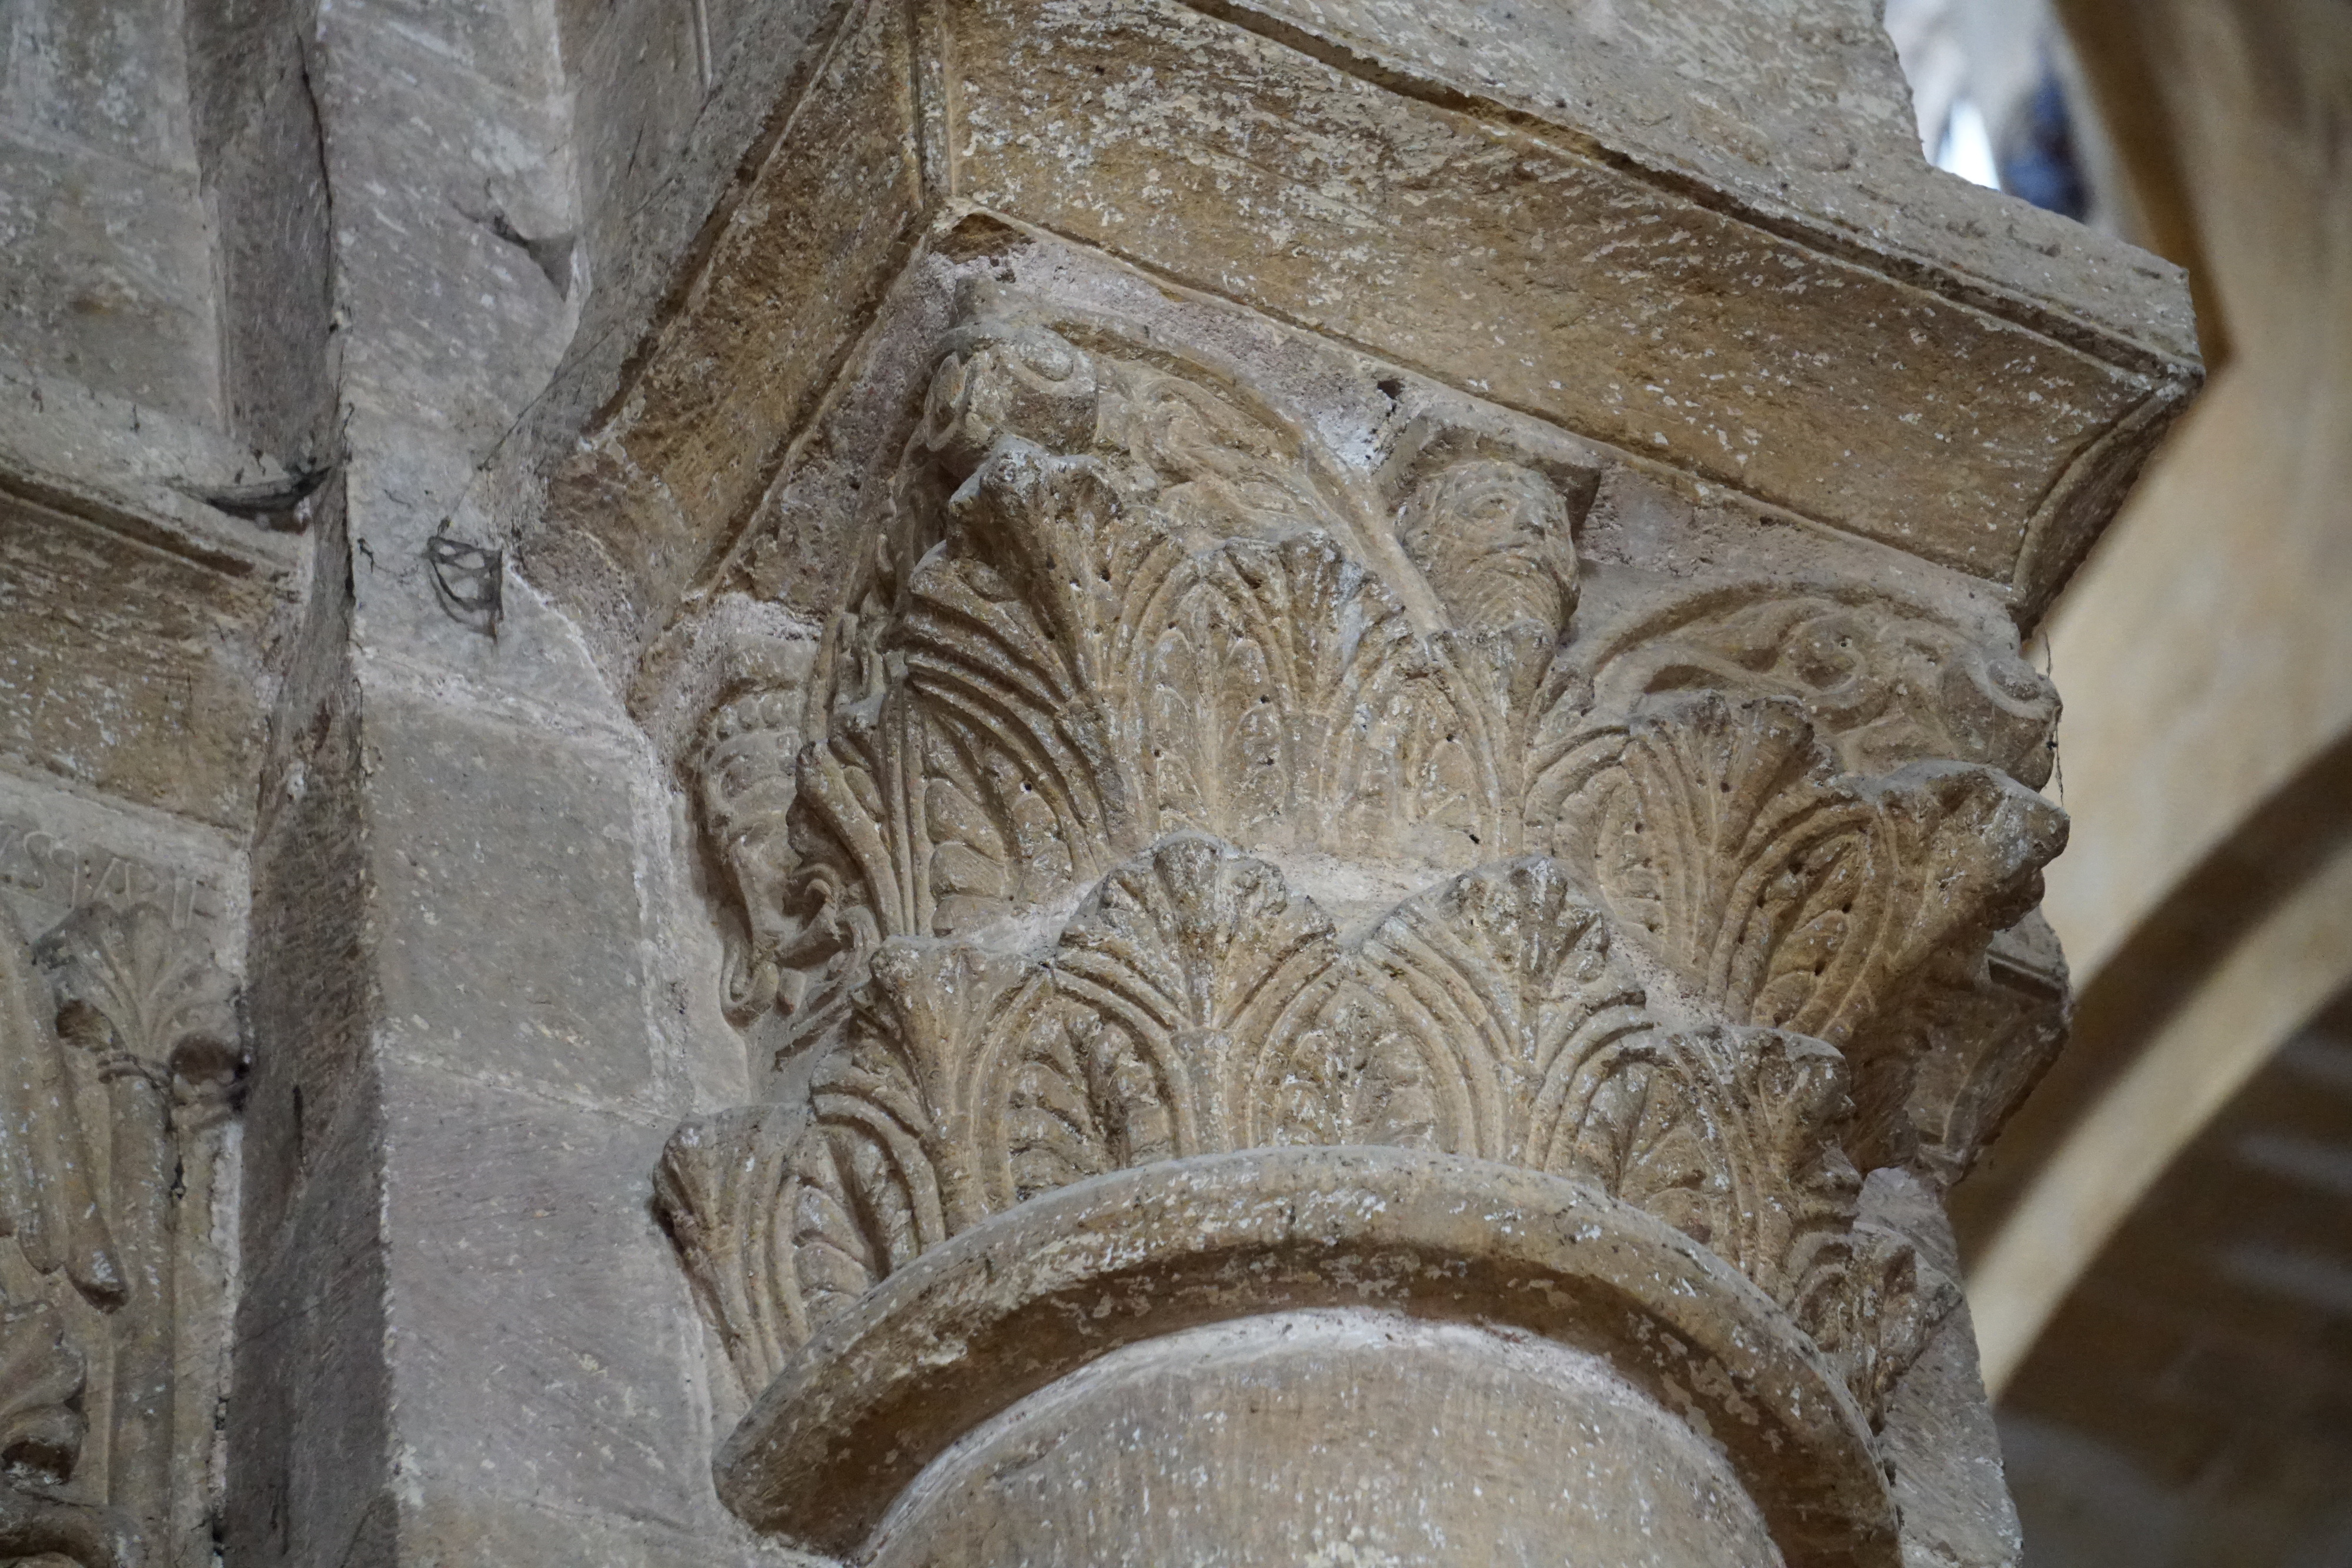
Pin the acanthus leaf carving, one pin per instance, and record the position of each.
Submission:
(1141, 633)
(41, 1382)
(1978, 1036)
(1189, 953)
(1164, 620)
(1506, 973)
(1728, 1132)
(147, 1001)
(719, 1190)
(1725, 1133)
(134, 985)
(1872, 1305)
(1195, 1004)
(1732, 1135)
(911, 1075)
(1782, 892)
(1277, 648)
(148, 1015)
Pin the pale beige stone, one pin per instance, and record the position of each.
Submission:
(121, 1054)
(1144, 668)
(1148, 782)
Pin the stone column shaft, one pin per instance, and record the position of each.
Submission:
(144, 1174)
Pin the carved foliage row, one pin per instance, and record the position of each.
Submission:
(1195, 1004)
(1149, 632)
(1070, 682)
(1789, 893)
(1164, 618)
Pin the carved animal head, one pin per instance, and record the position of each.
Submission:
(1008, 379)
(746, 774)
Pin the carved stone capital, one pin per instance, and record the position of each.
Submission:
(1183, 813)
(149, 1015)
(133, 984)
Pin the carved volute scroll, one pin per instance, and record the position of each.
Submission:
(1132, 662)
(1888, 680)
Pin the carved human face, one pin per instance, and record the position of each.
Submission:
(1493, 539)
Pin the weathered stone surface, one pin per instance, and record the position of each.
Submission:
(1796, 109)
(504, 869)
(311, 997)
(1632, 313)
(1940, 1446)
(1123, 1261)
(1315, 1436)
(1631, 295)
(689, 457)
(257, 144)
(99, 284)
(1108, 781)
(111, 459)
(541, 1341)
(465, 95)
(110, 260)
(1182, 778)
(453, 1528)
(640, 72)
(309, 1421)
(130, 665)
